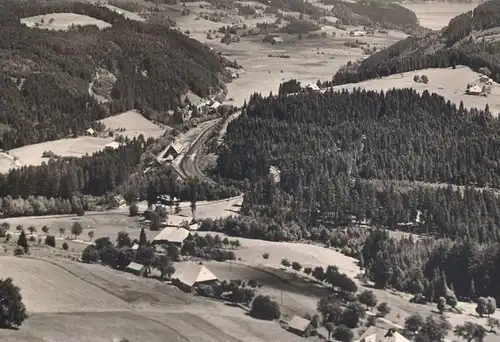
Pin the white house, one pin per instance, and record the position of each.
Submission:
(475, 90)
(312, 86)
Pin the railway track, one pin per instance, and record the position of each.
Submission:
(188, 164)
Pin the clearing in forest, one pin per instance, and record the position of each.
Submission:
(132, 124)
(447, 82)
(62, 21)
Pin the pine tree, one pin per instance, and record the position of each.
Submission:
(23, 242)
(143, 240)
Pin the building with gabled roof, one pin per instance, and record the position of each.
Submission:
(377, 334)
(171, 235)
(173, 150)
(135, 268)
(301, 326)
(190, 274)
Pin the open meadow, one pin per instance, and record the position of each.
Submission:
(132, 124)
(60, 295)
(263, 69)
(436, 15)
(32, 154)
(449, 83)
(62, 21)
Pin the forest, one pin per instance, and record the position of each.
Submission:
(339, 154)
(455, 45)
(45, 75)
(74, 185)
(391, 16)
(354, 13)
(356, 166)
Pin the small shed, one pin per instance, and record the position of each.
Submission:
(190, 274)
(89, 131)
(135, 268)
(118, 201)
(301, 326)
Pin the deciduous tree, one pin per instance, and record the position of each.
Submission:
(13, 311)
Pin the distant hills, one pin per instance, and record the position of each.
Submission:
(471, 39)
(45, 75)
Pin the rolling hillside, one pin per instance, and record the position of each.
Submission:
(470, 39)
(45, 74)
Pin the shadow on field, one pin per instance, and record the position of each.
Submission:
(269, 277)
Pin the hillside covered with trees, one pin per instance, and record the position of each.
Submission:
(370, 13)
(467, 40)
(335, 151)
(338, 156)
(45, 75)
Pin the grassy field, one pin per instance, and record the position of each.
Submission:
(109, 223)
(62, 21)
(321, 57)
(60, 295)
(436, 15)
(48, 288)
(32, 154)
(446, 82)
(133, 124)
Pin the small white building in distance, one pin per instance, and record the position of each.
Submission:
(312, 86)
(475, 90)
(276, 40)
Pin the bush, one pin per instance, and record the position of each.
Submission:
(265, 308)
(90, 254)
(133, 210)
(13, 310)
(50, 240)
(65, 246)
(18, 251)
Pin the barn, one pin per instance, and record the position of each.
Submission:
(190, 274)
(171, 235)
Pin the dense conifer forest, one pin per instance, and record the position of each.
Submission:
(339, 155)
(464, 41)
(45, 75)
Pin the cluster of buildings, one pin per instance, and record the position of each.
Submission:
(305, 328)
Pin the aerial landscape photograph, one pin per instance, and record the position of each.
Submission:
(249, 171)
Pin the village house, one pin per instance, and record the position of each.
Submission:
(377, 334)
(173, 150)
(475, 90)
(136, 269)
(189, 274)
(89, 131)
(114, 145)
(301, 326)
(171, 235)
(312, 87)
